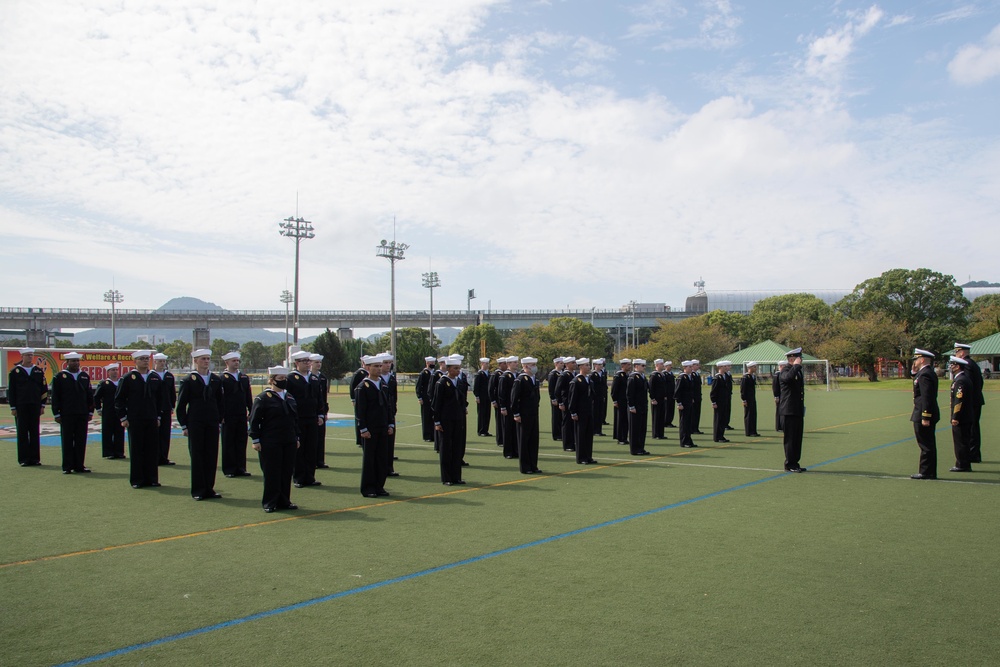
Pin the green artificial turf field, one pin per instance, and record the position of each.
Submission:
(706, 556)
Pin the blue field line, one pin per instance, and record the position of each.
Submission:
(449, 566)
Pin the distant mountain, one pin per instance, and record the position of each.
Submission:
(189, 303)
(980, 283)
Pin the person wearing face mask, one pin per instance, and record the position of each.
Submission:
(274, 435)
(524, 399)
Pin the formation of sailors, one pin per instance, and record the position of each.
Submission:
(286, 421)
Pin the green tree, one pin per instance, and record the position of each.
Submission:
(335, 360)
(63, 342)
(469, 342)
(277, 353)
(770, 314)
(412, 345)
(220, 347)
(691, 338)
(96, 345)
(803, 333)
(561, 336)
(984, 316)
(930, 305)
(178, 350)
(866, 339)
(255, 356)
(733, 324)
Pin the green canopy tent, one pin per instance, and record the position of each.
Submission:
(767, 354)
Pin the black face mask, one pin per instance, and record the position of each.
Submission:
(281, 384)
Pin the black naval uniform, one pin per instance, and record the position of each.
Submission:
(372, 409)
(599, 389)
(557, 416)
(392, 387)
(580, 408)
(748, 394)
(562, 395)
(306, 395)
(792, 408)
(237, 401)
(669, 386)
(324, 409)
(776, 391)
(963, 396)
(696, 417)
(166, 421)
(721, 395)
(504, 387)
(620, 428)
(27, 393)
(657, 393)
(73, 406)
(977, 401)
(493, 388)
(423, 390)
(481, 390)
(684, 397)
(637, 397)
(449, 414)
(274, 425)
(435, 377)
(359, 375)
(112, 433)
(524, 400)
(463, 397)
(199, 412)
(925, 406)
(141, 402)
(729, 385)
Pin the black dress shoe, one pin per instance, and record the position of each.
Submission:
(67, 472)
(921, 476)
(371, 495)
(698, 432)
(670, 426)
(565, 449)
(795, 469)
(487, 435)
(729, 428)
(447, 483)
(722, 440)
(23, 465)
(137, 486)
(383, 493)
(394, 458)
(290, 506)
(957, 469)
(393, 474)
(510, 457)
(198, 497)
(167, 463)
(465, 464)
(230, 474)
(644, 453)
(315, 482)
(536, 471)
(156, 485)
(213, 494)
(82, 470)
(689, 446)
(461, 481)
(270, 509)
(591, 462)
(322, 466)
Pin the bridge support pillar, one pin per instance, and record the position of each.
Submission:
(345, 333)
(36, 337)
(202, 337)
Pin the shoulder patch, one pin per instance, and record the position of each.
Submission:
(135, 375)
(194, 376)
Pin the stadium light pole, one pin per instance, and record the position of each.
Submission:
(113, 296)
(430, 281)
(298, 229)
(286, 298)
(468, 300)
(393, 252)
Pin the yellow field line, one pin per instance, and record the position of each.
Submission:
(386, 503)
(863, 421)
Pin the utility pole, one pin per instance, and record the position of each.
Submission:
(430, 281)
(113, 296)
(393, 252)
(298, 229)
(286, 298)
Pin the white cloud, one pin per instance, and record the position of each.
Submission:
(976, 63)
(827, 55)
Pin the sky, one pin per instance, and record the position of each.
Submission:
(546, 154)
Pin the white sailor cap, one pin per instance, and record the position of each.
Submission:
(557, 360)
(159, 356)
(529, 360)
(797, 352)
(687, 363)
(724, 362)
(657, 361)
(917, 352)
(638, 362)
(370, 359)
(453, 360)
(599, 361)
(569, 360)
(426, 359)
(696, 362)
(442, 360)
(751, 364)
(501, 360)
(513, 359)
(962, 346)
(958, 360)
(277, 370)
(26, 350)
(231, 355)
(140, 353)
(301, 355)
(668, 362)
(315, 357)
(72, 355)
(387, 355)
(583, 360)
(111, 367)
(626, 360)
(783, 362)
(201, 352)
(484, 360)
